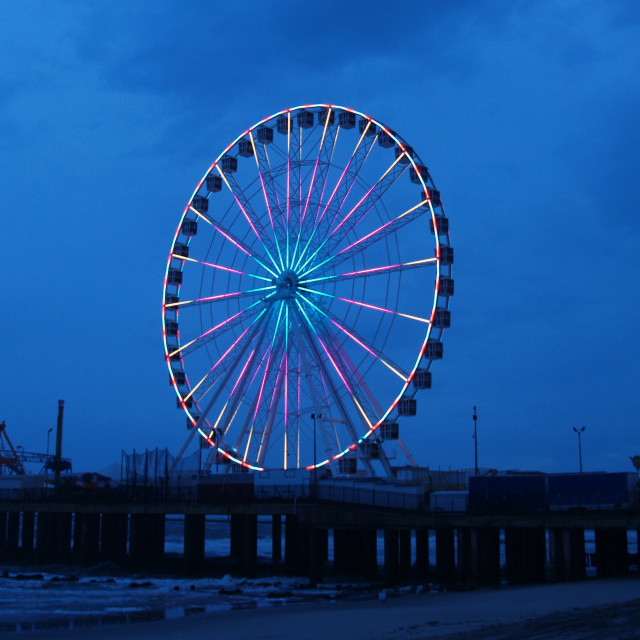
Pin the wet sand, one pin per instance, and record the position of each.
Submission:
(590, 609)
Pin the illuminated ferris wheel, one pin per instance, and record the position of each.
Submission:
(306, 293)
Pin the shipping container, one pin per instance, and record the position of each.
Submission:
(595, 490)
(517, 492)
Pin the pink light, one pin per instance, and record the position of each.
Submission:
(373, 270)
(266, 199)
(368, 306)
(352, 210)
(230, 239)
(335, 366)
(354, 338)
(246, 364)
(384, 226)
(228, 351)
(264, 379)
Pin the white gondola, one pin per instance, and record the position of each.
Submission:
(434, 196)
(229, 164)
(347, 120)
(305, 119)
(370, 449)
(421, 172)
(400, 153)
(245, 148)
(174, 276)
(422, 379)
(189, 227)
(200, 203)
(171, 327)
(434, 350)
(442, 318)
(180, 249)
(213, 183)
(385, 140)
(442, 225)
(179, 377)
(264, 135)
(445, 286)
(367, 130)
(282, 124)
(446, 255)
(323, 114)
(347, 465)
(407, 406)
(389, 430)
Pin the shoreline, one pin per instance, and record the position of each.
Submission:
(477, 613)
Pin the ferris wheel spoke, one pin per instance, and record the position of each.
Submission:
(254, 327)
(392, 226)
(274, 353)
(367, 306)
(351, 172)
(238, 390)
(368, 200)
(269, 201)
(329, 417)
(239, 244)
(317, 405)
(373, 271)
(355, 375)
(318, 177)
(252, 414)
(377, 353)
(313, 339)
(247, 211)
(269, 184)
(221, 297)
(271, 414)
(215, 332)
(219, 329)
(216, 372)
(221, 267)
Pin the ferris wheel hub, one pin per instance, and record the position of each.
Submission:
(286, 285)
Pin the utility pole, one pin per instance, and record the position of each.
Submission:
(475, 438)
(580, 432)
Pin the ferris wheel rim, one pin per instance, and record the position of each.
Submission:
(425, 184)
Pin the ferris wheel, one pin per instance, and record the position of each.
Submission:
(306, 293)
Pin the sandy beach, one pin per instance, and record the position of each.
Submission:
(589, 609)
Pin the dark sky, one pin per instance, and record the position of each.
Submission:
(525, 112)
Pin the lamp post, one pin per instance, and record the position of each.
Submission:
(46, 464)
(475, 438)
(315, 458)
(579, 432)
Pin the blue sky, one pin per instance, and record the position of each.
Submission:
(525, 112)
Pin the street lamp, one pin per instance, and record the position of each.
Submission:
(48, 436)
(46, 464)
(579, 432)
(475, 438)
(315, 458)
